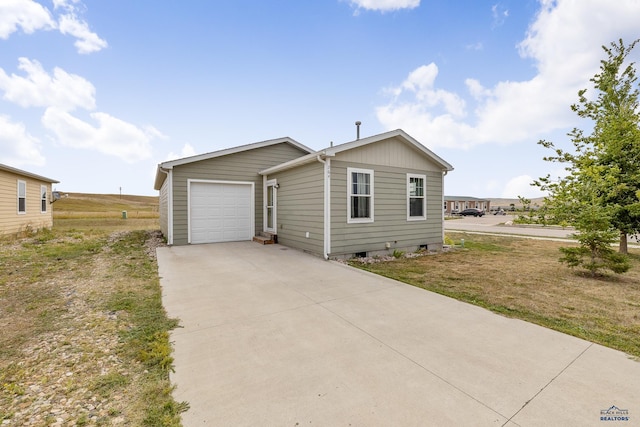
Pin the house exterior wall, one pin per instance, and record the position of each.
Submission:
(241, 166)
(390, 223)
(163, 208)
(10, 220)
(300, 207)
(391, 152)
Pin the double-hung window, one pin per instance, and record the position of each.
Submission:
(360, 195)
(416, 200)
(22, 197)
(43, 198)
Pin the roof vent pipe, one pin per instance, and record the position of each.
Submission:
(358, 123)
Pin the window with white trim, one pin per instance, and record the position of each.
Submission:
(43, 199)
(416, 199)
(22, 197)
(360, 195)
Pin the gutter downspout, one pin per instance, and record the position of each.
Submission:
(326, 249)
(169, 204)
(264, 204)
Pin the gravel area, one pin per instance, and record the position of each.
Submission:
(60, 377)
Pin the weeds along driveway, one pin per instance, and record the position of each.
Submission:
(273, 336)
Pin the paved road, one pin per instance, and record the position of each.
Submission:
(494, 224)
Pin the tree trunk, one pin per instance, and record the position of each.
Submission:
(623, 243)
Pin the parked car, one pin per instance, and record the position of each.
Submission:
(472, 211)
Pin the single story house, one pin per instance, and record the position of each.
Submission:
(455, 204)
(25, 200)
(368, 196)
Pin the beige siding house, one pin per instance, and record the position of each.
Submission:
(365, 197)
(25, 201)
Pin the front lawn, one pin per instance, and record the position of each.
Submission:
(522, 278)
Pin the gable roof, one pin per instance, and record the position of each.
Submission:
(332, 151)
(160, 176)
(27, 174)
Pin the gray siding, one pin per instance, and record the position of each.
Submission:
(243, 166)
(164, 208)
(300, 207)
(390, 212)
(390, 152)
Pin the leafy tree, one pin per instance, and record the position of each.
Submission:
(600, 195)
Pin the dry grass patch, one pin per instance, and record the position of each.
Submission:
(83, 334)
(522, 278)
(103, 212)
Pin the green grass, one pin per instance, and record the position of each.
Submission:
(522, 278)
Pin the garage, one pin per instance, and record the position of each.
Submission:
(220, 211)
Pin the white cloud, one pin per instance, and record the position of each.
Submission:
(65, 4)
(385, 5)
(87, 41)
(17, 147)
(187, 151)
(475, 46)
(31, 16)
(521, 186)
(25, 14)
(41, 89)
(111, 136)
(564, 41)
(500, 14)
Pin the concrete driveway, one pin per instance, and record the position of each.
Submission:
(271, 336)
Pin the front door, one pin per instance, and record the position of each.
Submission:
(271, 211)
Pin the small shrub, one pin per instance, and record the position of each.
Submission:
(397, 253)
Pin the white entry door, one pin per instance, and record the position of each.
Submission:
(220, 212)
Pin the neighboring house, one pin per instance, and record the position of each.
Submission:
(25, 200)
(455, 204)
(368, 196)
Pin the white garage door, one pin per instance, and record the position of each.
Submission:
(220, 212)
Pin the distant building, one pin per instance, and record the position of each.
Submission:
(25, 200)
(455, 204)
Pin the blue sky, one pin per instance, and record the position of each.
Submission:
(96, 93)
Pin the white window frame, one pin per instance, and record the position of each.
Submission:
(24, 196)
(43, 199)
(424, 197)
(350, 172)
